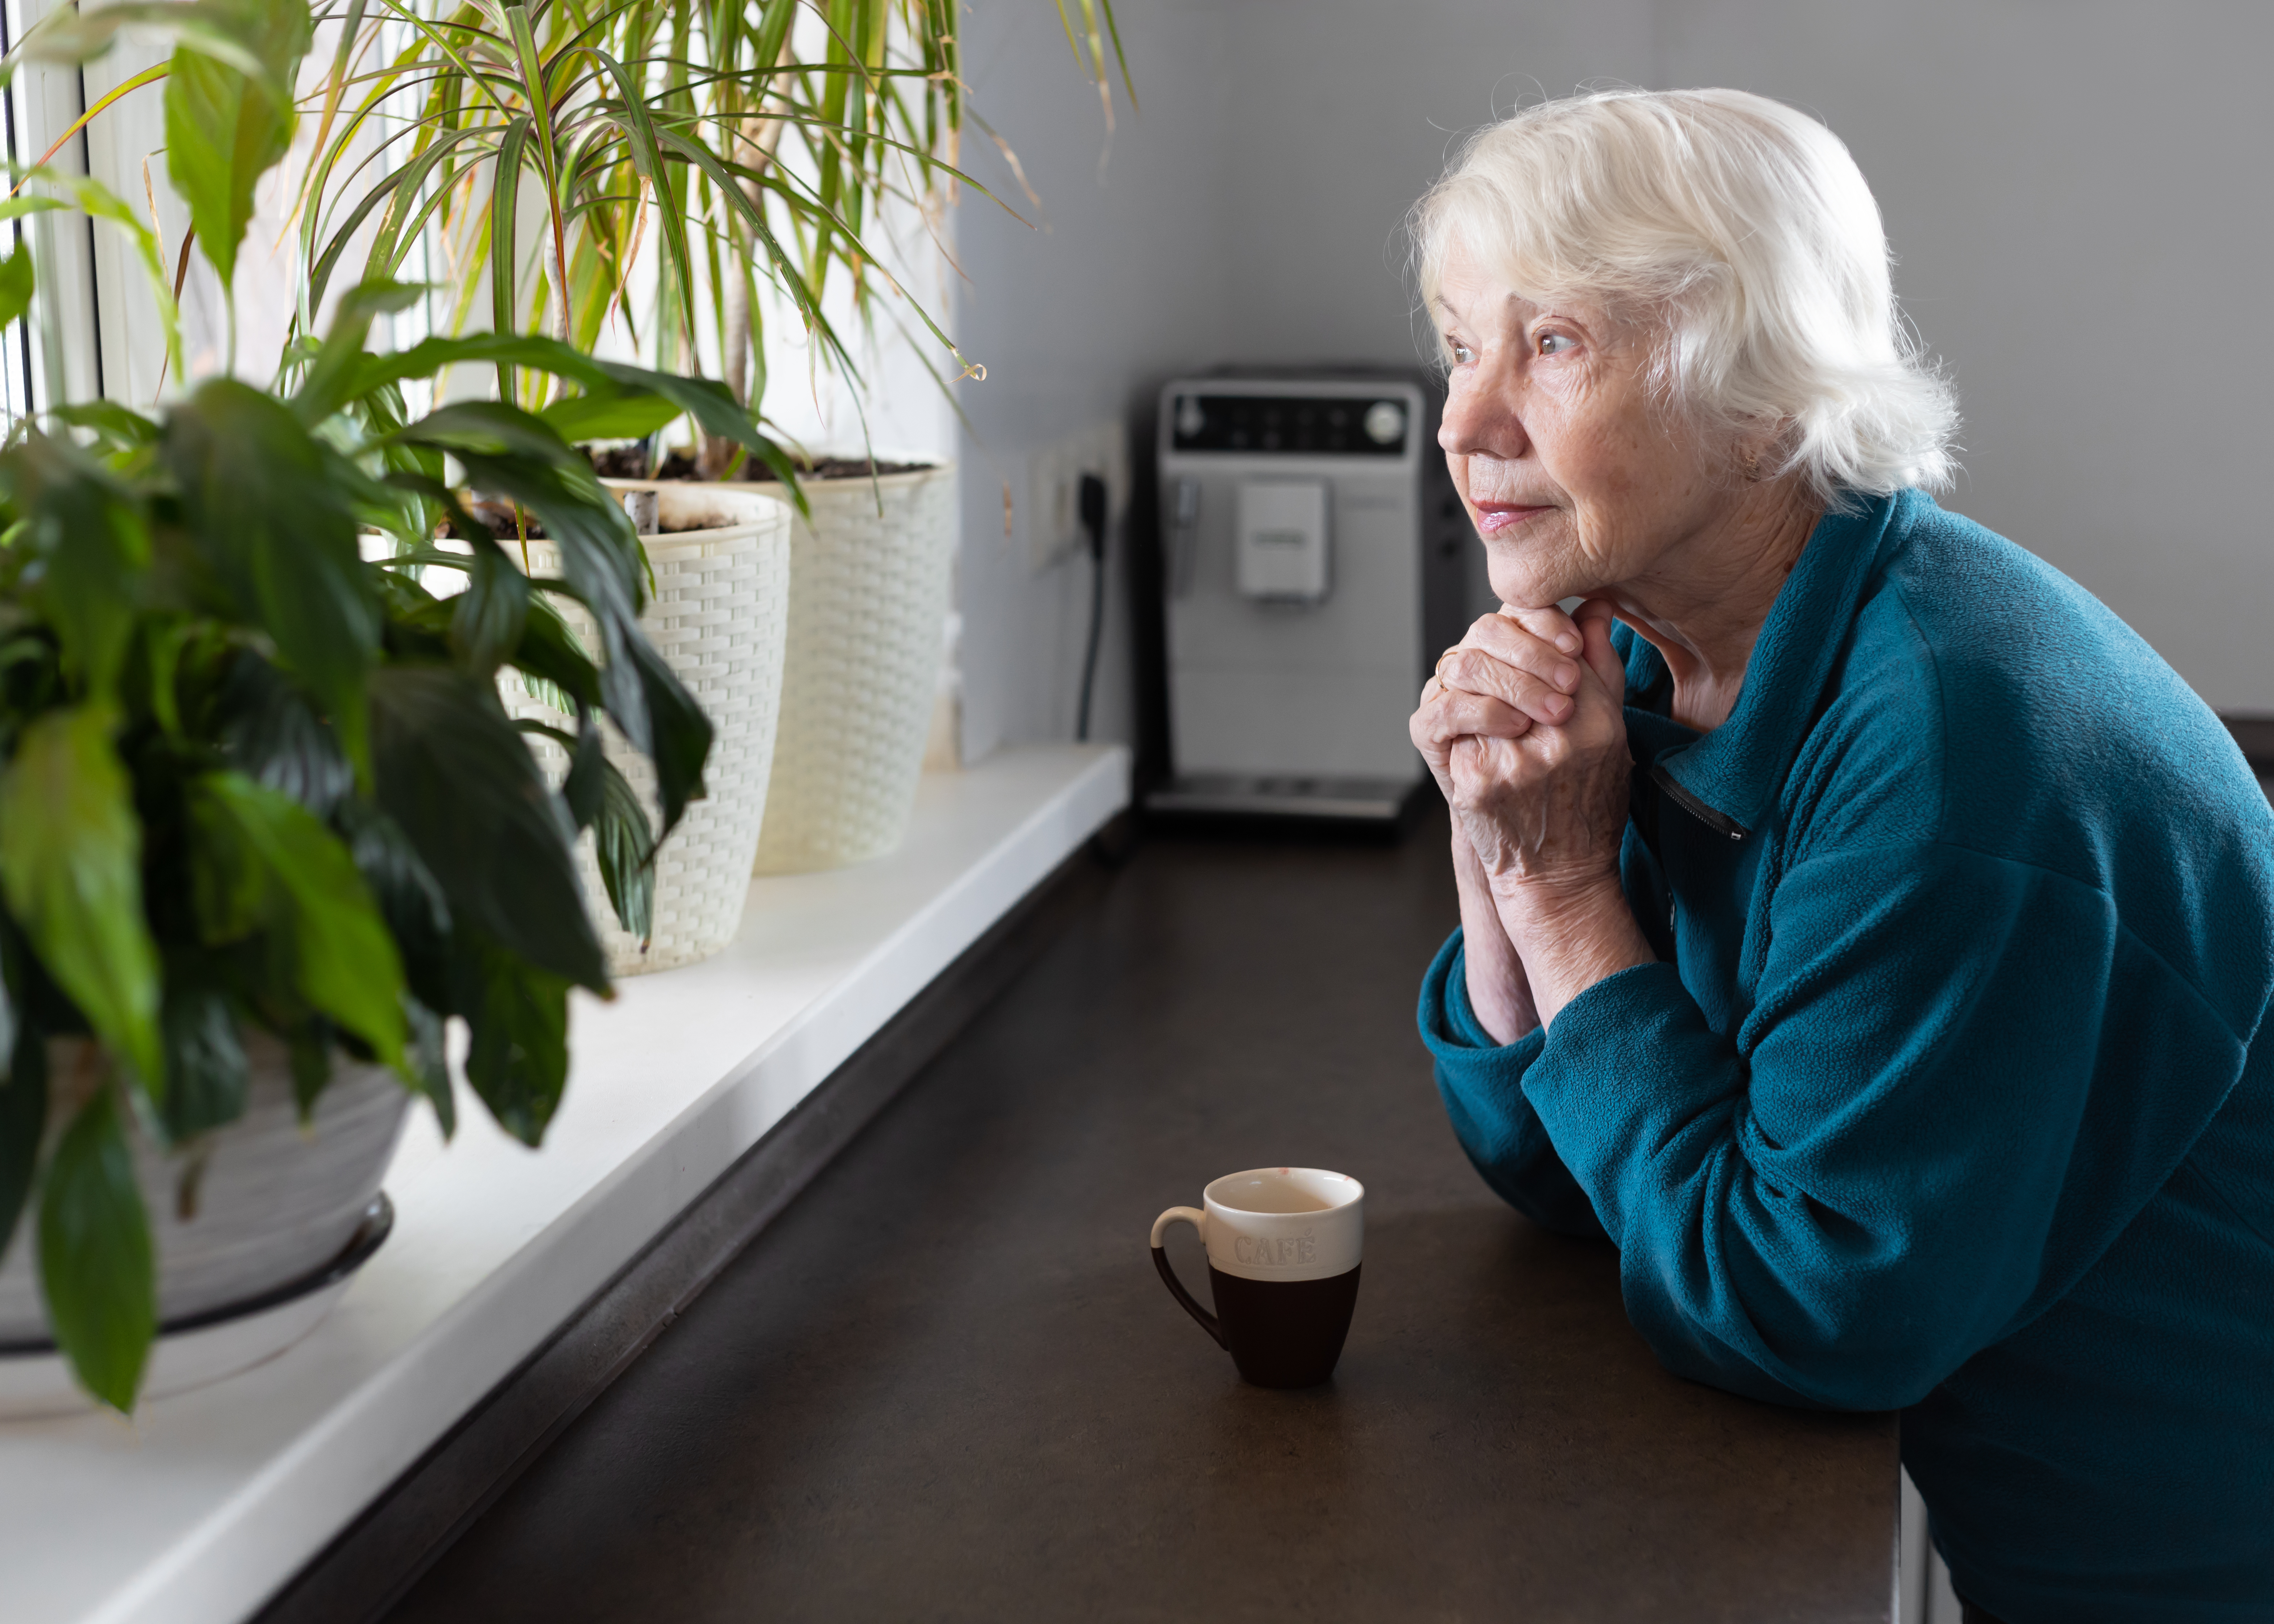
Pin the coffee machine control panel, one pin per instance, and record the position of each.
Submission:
(1292, 426)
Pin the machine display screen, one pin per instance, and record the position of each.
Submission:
(1314, 425)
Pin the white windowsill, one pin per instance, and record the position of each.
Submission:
(204, 1504)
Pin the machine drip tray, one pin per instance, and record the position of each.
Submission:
(1377, 800)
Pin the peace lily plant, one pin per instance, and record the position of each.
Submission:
(252, 780)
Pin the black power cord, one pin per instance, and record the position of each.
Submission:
(1093, 519)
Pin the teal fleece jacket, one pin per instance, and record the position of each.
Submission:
(1951, 1091)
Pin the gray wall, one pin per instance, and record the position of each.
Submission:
(2075, 194)
(1113, 280)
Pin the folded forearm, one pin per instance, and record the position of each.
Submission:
(1568, 939)
(1498, 990)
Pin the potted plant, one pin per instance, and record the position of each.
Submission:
(266, 827)
(735, 152)
(527, 111)
(263, 817)
(525, 118)
(717, 613)
(871, 558)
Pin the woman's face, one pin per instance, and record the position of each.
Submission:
(1576, 480)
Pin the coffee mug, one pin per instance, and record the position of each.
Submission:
(1283, 1250)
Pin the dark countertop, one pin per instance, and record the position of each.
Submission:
(946, 1383)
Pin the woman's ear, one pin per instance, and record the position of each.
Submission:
(1594, 620)
(1760, 451)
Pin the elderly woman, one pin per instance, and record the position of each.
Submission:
(1861, 927)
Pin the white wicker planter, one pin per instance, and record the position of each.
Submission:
(717, 616)
(275, 1203)
(869, 602)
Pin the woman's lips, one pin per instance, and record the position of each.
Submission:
(1494, 517)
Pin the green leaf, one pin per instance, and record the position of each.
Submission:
(456, 778)
(262, 860)
(431, 356)
(35, 1000)
(505, 214)
(679, 740)
(164, 642)
(98, 1269)
(93, 548)
(114, 427)
(16, 282)
(415, 472)
(325, 389)
(309, 1052)
(23, 1119)
(269, 733)
(517, 1050)
(273, 523)
(600, 555)
(711, 404)
(640, 147)
(584, 790)
(493, 428)
(71, 864)
(549, 653)
(429, 1069)
(205, 1079)
(600, 559)
(615, 414)
(411, 899)
(72, 37)
(225, 127)
(626, 848)
(486, 621)
(24, 205)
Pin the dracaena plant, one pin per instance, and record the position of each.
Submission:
(695, 135)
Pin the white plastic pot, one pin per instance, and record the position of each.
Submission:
(275, 1206)
(868, 603)
(718, 614)
(870, 576)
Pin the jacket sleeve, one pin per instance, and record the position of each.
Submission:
(1482, 1083)
(1899, 1157)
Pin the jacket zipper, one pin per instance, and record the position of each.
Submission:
(1719, 823)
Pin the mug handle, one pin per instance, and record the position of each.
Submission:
(1198, 1218)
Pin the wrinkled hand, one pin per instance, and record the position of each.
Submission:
(1541, 806)
(1529, 671)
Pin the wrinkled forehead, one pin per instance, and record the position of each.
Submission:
(1474, 291)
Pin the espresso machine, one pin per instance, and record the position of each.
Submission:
(1315, 561)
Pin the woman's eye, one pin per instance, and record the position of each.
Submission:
(1461, 353)
(1555, 344)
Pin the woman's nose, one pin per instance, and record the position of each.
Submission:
(1479, 419)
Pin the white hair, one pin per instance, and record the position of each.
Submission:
(1739, 228)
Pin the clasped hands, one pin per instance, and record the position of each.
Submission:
(1524, 727)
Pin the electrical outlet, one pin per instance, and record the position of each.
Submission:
(1054, 474)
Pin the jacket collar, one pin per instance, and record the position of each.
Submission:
(1728, 778)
